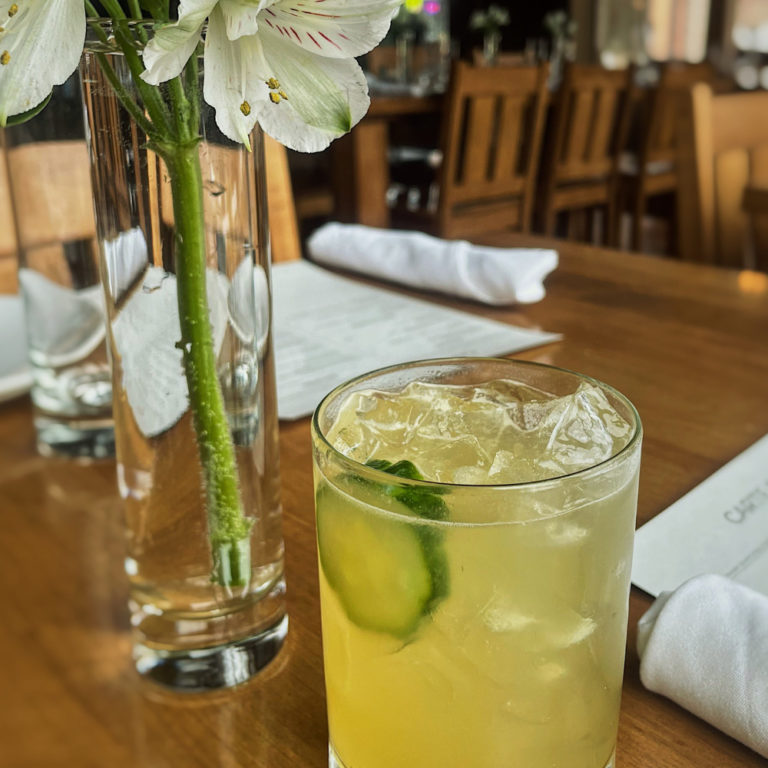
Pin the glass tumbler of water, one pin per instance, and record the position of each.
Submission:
(48, 170)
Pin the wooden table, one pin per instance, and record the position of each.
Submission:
(688, 344)
(361, 164)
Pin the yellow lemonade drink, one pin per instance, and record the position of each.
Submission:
(475, 523)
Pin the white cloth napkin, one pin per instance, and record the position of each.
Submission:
(705, 646)
(494, 276)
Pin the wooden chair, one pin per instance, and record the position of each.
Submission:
(653, 168)
(8, 244)
(283, 227)
(723, 148)
(52, 205)
(503, 59)
(493, 128)
(582, 154)
(9, 281)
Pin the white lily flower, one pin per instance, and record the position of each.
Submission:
(242, 16)
(335, 28)
(40, 46)
(173, 44)
(287, 64)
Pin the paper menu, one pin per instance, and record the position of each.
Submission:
(328, 329)
(721, 526)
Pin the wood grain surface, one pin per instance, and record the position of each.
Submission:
(688, 344)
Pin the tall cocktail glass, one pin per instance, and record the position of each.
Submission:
(475, 520)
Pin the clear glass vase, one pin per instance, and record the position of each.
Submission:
(183, 236)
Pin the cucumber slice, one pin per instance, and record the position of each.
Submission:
(388, 573)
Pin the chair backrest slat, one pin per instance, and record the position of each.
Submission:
(662, 129)
(510, 134)
(8, 244)
(732, 174)
(284, 227)
(601, 137)
(574, 150)
(479, 135)
(52, 192)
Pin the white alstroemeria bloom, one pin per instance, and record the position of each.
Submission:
(40, 46)
(287, 64)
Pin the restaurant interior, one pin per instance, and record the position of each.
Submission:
(563, 186)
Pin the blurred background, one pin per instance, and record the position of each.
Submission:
(389, 171)
(613, 150)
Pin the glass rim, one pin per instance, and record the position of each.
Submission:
(106, 26)
(96, 26)
(107, 22)
(386, 478)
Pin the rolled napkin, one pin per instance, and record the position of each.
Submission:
(495, 276)
(705, 646)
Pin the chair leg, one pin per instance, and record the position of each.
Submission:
(609, 225)
(674, 223)
(550, 220)
(637, 220)
(615, 209)
(576, 225)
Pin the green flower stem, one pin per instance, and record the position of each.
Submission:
(228, 528)
(125, 99)
(123, 96)
(192, 86)
(159, 9)
(182, 110)
(90, 10)
(135, 9)
(150, 94)
(114, 9)
(174, 134)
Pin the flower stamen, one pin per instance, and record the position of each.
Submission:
(5, 57)
(275, 91)
(13, 10)
(245, 108)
